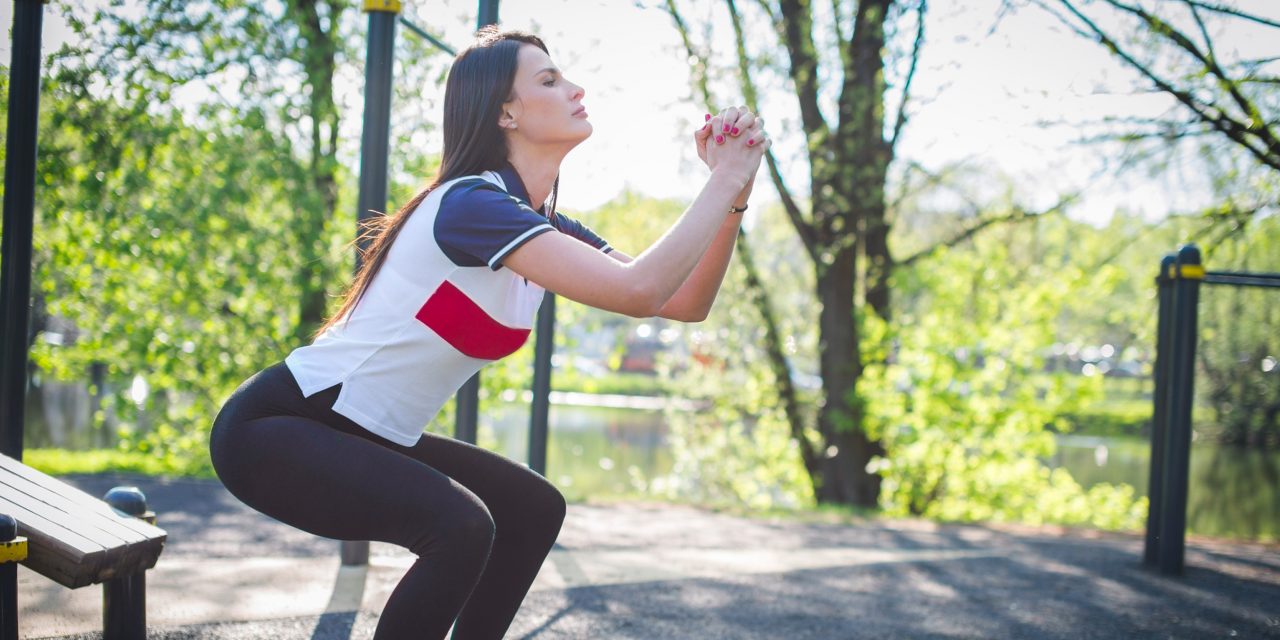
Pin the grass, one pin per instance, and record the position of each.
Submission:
(614, 382)
(57, 462)
(1124, 411)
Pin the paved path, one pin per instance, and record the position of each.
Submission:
(659, 571)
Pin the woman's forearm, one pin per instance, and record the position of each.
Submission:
(667, 264)
(693, 301)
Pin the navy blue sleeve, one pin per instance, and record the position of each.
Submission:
(573, 228)
(480, 224)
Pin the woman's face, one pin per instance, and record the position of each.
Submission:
(545, 107)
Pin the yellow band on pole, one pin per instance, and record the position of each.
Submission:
(387, 6)
(13, 551)
(1187, 272)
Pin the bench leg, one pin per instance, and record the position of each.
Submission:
(124, 607)
(9, 601)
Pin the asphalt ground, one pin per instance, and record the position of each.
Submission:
(648, 571)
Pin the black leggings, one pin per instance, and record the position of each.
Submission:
(480, 524)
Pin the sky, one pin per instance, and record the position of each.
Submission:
(980, 98)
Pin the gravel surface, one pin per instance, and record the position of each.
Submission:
(1018, 582)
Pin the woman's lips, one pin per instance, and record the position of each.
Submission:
(580, 113)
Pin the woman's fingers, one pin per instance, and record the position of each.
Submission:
(734, 122)
(718, 128)
(728, 118)
(702, 135)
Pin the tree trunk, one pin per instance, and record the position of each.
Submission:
(843, 477)
(319, 61)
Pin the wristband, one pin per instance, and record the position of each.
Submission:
(733, 209)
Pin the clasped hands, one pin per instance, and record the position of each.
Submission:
(730, 125)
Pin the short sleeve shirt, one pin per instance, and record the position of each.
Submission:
(440, 308)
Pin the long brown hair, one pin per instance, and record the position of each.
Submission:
(480, 81)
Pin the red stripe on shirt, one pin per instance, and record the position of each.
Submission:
(463, 324)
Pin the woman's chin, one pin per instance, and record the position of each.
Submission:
(587, 131)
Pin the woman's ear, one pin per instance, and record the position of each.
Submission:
(507, 118)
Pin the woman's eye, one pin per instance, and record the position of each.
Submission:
(548, 83)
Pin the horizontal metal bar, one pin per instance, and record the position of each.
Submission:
(1243, 279)
(426, 36)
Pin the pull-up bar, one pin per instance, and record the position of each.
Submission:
(1179, 281)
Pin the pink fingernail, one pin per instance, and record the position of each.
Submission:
(726, 126)
(720, 139)
(708, 116)
(735, 131)
(750, 142)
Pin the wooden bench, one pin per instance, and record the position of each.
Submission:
(76, 540)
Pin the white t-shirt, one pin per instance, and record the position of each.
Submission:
(440, 308)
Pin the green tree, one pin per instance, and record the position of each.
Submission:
(149, 241)
(193, 206)
(844, 220)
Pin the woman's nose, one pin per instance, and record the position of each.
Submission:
(578, 92)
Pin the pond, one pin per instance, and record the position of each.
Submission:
(609, 452)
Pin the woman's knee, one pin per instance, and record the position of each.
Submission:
(466, 530)
(542, 509)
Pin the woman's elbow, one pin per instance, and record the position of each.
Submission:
(684, 315)
(643, 302)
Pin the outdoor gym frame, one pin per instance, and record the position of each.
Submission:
(1179, 281)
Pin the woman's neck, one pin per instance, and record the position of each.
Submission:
(538, 171)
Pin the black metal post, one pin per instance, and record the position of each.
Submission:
(487, 13)
(1177, 453)
(19, 215)
(124, 598)
(13, 549)
(466, 415)
(543, 347)
(1159, 408)
(379, 66)
(467, 401)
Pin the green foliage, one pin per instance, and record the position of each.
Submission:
(191, 208)
(1238, 363)
(734, 459)
(962, 403)
(740, 451)
(164, 246)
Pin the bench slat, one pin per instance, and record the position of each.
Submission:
(54, 551)
(76, 496)
(104, 527)
(125, 550)
(76, 539)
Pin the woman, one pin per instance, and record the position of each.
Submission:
(330, 441)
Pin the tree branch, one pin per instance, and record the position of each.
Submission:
(1234, 12)
(768, 10)
(780, 366)
(1228, 127)
(803, 227)
(901, 120)
(1250, 111)
(1204, 32)
(699, 69)
(796, 31)
(1017, 215)
(837, 15)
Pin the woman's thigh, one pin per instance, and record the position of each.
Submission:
(337, 485)
(513, 492)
